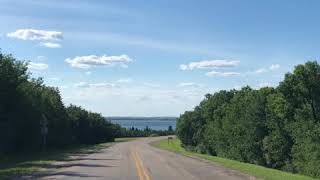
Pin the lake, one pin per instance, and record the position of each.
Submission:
(156, 123)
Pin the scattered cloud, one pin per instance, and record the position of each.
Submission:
(81, 84)
(102, 85)
(144, 98)
(274, 66)
(86, 62)
(37, 66)
(189, 85)
(149, 98)
(124, 80)
(35, 34)
(94, 85)
(152, 85)
(210, 64)
(51, 45)
(53, 79)
(41, 58)
(262, 70)
(221, 74)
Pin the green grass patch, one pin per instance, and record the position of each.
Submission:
(250, 169)
(28, 163)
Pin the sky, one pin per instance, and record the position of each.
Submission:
(158, 58)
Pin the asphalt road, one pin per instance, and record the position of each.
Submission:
(137, 160)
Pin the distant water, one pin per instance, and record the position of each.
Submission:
(142, 123)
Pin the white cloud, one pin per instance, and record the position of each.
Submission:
(221, 74)
(41, 58)
(94, 85)
(274, 66)
(53, 79)
(51, 45)
(271, 68)
(144, 98)
(81, 84)
(89, 61)
(209, 64)
(150, 99)
(124, 80)
(102, 85)
(262, 70)
(189, 84)
(88, 73)
(35, 34)
(152, 85)
(37, 66)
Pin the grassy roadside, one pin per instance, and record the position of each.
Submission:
(254, 170)
(22, 164)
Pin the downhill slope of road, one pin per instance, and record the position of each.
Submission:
(137, 160)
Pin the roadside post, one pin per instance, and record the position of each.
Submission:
(44, 131)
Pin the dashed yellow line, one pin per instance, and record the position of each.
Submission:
(143, 169)
(137, 166)
(142, 172)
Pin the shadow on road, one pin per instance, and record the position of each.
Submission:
(51, 174)
(47, 163)
(87, 159)
(66, 165)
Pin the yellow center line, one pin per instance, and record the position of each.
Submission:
(142, 172)
(137, 166)
(143, 169)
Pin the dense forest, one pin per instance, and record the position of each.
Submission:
(25, 102)
(273, 127)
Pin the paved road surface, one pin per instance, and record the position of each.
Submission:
(137, 160)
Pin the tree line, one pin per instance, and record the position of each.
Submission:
(273, 127)
(135, 132)
(25, 102)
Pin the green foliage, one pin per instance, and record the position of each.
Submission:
(134, 132)
(278, 128)
(25, 101)
(254, 170)
(88, 127)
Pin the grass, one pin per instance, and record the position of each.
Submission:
(259, 172)
(29, 163)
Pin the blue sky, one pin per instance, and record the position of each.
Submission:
(158, 58)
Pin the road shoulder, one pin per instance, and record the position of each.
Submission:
(251, 170)
(30, 165)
